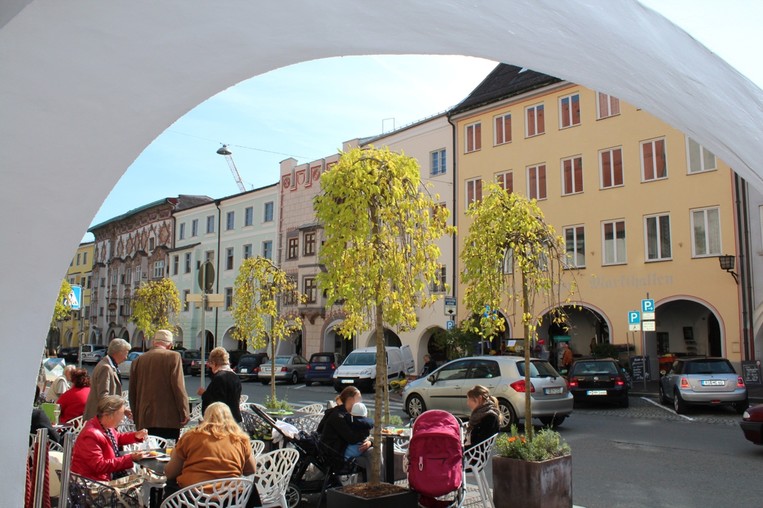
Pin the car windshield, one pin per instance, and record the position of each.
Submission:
(709, 367)
(192, 355)
(593, 368)
(538, 368)
(282, 360)
(132, 356)
(361, 359)
(321, 359)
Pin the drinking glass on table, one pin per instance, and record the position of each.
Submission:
(169, 446)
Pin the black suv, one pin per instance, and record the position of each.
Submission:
(69, 354)
(249, 365)
(235, 356)
(598, 379)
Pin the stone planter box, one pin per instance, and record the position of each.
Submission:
(519, 483)
(337, 498)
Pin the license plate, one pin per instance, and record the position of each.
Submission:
(596, 392)
(244, 371)
(553, 391)
(347, 381)
(320, 367)
(713, 382)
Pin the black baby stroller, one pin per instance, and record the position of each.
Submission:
(436, 460)
(319, 467)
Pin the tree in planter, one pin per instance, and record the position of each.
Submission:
(508, 237)
(259, 286)
(155, 306)
(61, 311)
(380, 253)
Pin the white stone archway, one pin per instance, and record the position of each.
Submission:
(85, 86)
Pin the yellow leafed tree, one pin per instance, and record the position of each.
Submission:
(380, 251)
(155, 306)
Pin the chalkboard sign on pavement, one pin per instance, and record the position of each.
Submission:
(751, 373)
(639, 368)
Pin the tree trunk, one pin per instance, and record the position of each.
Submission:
(272, 370)
(381, 380)
(526, 324)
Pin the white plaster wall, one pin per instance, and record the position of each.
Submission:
(86, 85)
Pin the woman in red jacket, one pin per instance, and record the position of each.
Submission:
(73, 400)
(97, 452)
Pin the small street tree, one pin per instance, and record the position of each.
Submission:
(509, 237)
(62, 310)
(380, 254)
(257, 291)
(155, 306)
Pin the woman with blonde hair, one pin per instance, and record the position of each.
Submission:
(225, 385)
(217, 448)
(486, 418)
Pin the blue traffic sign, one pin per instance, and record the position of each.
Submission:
(449, 325)
(74, 300)
(647, 305)
(634, 317)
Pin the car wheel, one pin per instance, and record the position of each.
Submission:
(741, 407)
(308, 383)
(293, 496)
(625, 402)
(678, 403)
(414, 406)
(338, 388)
(508, 413)
(265, 381)
(663, 399)
(294, 378)
(552, 421)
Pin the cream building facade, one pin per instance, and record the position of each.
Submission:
(71, 331)
(645, 211)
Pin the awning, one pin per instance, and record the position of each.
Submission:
(562, 338)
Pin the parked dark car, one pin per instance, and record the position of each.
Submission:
(598, 380)
(249, 365)
(703, 381)
(321, 367)
(235, 356)
(752, 424)
(187, 356)
(196, 363)
(69, 354)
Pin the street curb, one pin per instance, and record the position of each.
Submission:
(753, 400)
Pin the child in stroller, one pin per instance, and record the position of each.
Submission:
(357, 419)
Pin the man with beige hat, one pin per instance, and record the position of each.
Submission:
(158, 398)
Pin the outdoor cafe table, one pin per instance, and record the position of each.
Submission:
(156, 491)
(389, 435)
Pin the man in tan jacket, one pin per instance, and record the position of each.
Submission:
(105, 379)
(158, 398)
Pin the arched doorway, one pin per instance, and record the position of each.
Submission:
(500, 342)
(685, 327)
(333, 341)
(580, 325)
(209, 342)
(391, 339)
(230, 343)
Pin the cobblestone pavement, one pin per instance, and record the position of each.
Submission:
(650, 408)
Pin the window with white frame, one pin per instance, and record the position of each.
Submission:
(229, 258)
(473, 137)
(195, 227)
(210, 223)
(79, 254)
(309, 244)
(473, 191)
(84, 258)
(574, 241)
(535, 123)
(438, 162)
(706, 232)
(209, 256)
(187, 263)
(572, 175)
(159, 269)
(247, 252)
(267, 215)
(230, 220)
(606, 105)
(175, 264)
(611, 167)
(502, 129)
(439, 285)
(613, 239)
(228, 298)
(267, 249)
(654, 164)
(508, 262)
(699, 158)
(569, 111)
(248, 216)
(536, 181)
(292, 252)
(186, 305)
(657, 233)
(505, 181)
(181, 231)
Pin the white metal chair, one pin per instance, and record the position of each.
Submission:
(312, 408)
(308, 423)
(150, 443)
(273, 472)
(228, 492)
(475, 459)
(243, 399)
(76, 424)
(196, 412)
(257, 446)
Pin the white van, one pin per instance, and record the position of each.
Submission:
(359, 368)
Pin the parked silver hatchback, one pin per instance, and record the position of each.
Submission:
(703, 381)
(504, 376)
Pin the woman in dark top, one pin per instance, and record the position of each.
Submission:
(485, 419)
(225, 385)
(336, 431)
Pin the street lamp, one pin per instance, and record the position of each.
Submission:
(727, 262)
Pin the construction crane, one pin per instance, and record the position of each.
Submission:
(225, 152)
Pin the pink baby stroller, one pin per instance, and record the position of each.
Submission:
(436, 460)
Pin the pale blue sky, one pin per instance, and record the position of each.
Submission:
(307, 110)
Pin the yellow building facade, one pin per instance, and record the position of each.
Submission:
(79, 273)
(644, 210)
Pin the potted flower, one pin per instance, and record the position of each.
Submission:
(532, 471)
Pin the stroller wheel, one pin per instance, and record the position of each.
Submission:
(293, 496)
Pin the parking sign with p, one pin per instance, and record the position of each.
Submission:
(647, 308)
